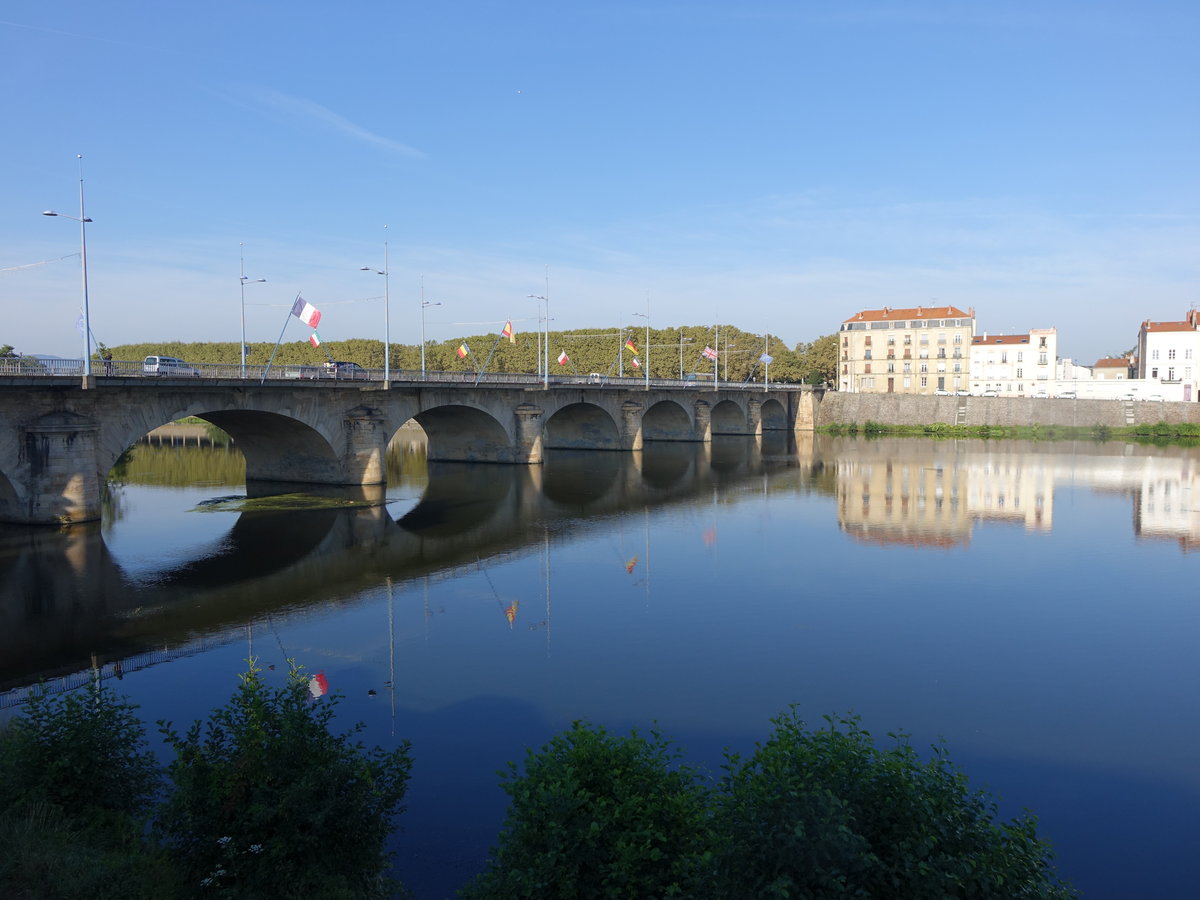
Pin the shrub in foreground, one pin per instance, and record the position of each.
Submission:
(268, 802)
(827, 813)
(598, 815)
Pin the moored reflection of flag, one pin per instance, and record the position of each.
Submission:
(630, 344)
(562, 358)
(462, 351)
(636, 363)
(710, 536)
(709, 353)
(314, 339)
(510, 611)
(630, 565)
(766, 358)
(508, 333)
(306, 312)
(318, 685)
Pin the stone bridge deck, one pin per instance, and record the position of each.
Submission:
(59, 437)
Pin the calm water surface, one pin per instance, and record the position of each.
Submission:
(1033, 605)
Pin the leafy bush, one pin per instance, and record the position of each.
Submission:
(82, 752)
(828, 814)
(596, 815)
(268, 802)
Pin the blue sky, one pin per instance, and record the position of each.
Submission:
(775, 165)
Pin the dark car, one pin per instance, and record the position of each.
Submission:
(345, 371)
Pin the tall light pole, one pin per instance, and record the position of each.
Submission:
(244, 279)
(681, 343)
(424, 305)
(87, 317)
(646, 346)
(387, 314)
(543, 358)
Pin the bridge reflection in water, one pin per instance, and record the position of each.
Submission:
(67, 604)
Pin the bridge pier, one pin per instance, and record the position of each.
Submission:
(366, 447)
(530, 433)
(703, 422)
(62, 483)
(631, 425)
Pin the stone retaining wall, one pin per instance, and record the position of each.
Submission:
(839, 408)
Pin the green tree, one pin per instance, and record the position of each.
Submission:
(827, 814)
(268, 802)
(597, 815)
(818, 360)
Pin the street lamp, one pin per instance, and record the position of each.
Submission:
(425, 304)
(543, 358)
(387, 313)
(87, 318)
(244, 279)
(682, 341)
(646, 346)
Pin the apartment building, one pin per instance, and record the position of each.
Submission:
(1168, 353)
(917, 350)
(1015, 365)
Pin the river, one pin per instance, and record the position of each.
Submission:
(1034, 605)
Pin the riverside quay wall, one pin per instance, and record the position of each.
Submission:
(839, 408)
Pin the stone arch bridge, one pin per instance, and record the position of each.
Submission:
(59, 439)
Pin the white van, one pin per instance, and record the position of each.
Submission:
(166, 365)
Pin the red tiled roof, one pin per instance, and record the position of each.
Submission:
(1168, 326)
(1112, 362)
(916, 312)
(1000, 339)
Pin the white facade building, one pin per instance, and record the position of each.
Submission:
(1169, 356)
(1015, 365)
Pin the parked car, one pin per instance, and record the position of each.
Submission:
(345, 371)
(1156, 397)
(1040, 395)
(990, 392)
(1067, 395)
(942, 392)
(1129, 396)
(962, 393)
(166, 365)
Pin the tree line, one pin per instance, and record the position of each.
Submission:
(672, 352)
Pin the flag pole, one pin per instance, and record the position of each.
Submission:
(486, 362)
(278, 341)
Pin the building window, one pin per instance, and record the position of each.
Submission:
(1041, 359)
(958, 339)
(867, 368)
(891, 368)
(867, 353)
(924, 381)
(924, 368)
(958, 367)
(1020, 372)
(1003, 357)
(1154, 372)
(867, 341)
(1154, 354)
(1171, 374)
(1187, 354)
(1020, 356)
(1170, 354)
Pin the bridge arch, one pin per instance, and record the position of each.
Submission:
(666, 420)
(458, 433)
(581, 426)
(729, 418)
(774, 417)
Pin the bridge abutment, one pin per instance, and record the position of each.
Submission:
(62, 484)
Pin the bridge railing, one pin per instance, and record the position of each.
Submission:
(319, 374)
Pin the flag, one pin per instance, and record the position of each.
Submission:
(636, 364)
(462, 351)
(709, 353)
(79, 324)
(314, 339)
(306, 312)
(629, 566)
(630, 344)
(562, 358)
(318, 685)
(508, 333)
(510, 611)
(766, 359)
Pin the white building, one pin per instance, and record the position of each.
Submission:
(1015, 365)
(1168, 356)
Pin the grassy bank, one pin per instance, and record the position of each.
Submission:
(1184, 433)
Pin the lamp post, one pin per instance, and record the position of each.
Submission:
(387, 315)
(682, 341)
(87, 317)
(543, 357)
(646, 346)
(244, 279)
(425, 304)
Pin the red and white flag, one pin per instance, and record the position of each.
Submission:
(636, 363)
(508, 333)
(709, 353)
(306, 312)
(562, 358)
(314, 339)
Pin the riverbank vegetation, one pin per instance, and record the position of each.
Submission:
(1179, 433)
(264, 800)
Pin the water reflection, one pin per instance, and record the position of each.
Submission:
(700, 587)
